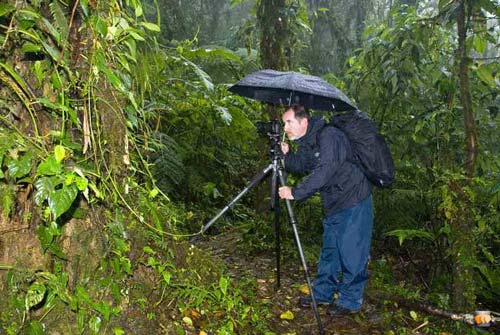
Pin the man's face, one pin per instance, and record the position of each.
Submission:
(294, 128)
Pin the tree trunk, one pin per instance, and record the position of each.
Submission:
(274, 37)
(274, 34)
(463, 248)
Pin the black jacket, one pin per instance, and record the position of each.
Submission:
(323, 154)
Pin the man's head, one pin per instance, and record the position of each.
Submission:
(296, 120)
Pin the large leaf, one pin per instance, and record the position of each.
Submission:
(20, 166)
(61, 200)
(44, 187)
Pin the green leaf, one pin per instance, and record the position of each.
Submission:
(20, 81)
(148, 250)
(59, 153)
(6, 8)
(205, 78)
(187, 321)
(21, 166)
(39, 71)
(57, 251)
(45, 237)
(80, 320)
(414, 315)
(485, 74)
(81, 183)
(224, 114)
(223, 284)
(44, 187)
(30, 47)
(61, 200)
(153, 193)
(34, 296)
(138, 8)
(480, 44)
(150, 26)
(95, 324)
(136, 35)
(49, 167)
(407, 234)
(35, 328)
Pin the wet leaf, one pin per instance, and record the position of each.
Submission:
(150, 26)
(49, 167)
(187, 320)
(304, 289)
(61, 200)
(95, 324)
(59, 153)
(288, 315)
(35, 295)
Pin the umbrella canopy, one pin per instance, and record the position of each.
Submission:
(288, 88)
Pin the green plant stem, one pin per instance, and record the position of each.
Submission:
(22, 134)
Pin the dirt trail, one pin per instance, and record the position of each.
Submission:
(263, 269)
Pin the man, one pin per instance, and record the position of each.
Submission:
(323, 154)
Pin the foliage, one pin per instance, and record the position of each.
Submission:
(102, 125)
(408, 86)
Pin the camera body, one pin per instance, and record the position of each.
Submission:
(269, 128)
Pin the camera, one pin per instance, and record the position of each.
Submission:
(269, 128)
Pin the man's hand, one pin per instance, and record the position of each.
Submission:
(285, 147)
(285, 193)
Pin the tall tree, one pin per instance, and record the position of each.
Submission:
(463, 246)
(273, 25)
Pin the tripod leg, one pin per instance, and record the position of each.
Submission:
(256, 179)
(301, 254)
(277, 225)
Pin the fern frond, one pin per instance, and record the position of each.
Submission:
(60, 20)
(168, 167)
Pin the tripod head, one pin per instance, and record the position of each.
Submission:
(271, 129)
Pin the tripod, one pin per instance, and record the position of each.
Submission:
(276, 168)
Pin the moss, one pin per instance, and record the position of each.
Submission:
(7, 202)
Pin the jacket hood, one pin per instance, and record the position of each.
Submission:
(315, 124)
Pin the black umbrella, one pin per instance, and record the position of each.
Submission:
(287, 88)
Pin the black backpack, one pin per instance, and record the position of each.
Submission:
(370, 151)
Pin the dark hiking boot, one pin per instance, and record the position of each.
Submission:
(336, 310)
(307, 302)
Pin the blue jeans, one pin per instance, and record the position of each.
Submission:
(343, 262)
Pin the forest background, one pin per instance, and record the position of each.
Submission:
(119, 139)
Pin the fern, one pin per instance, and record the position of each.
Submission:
(168, 167)
(60, 20)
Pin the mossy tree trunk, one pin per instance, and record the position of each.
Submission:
(463, 247)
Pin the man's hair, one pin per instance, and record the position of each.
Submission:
(299, 111)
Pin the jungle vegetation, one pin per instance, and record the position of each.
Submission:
(119, 140)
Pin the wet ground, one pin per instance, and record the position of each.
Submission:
(286, 317)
